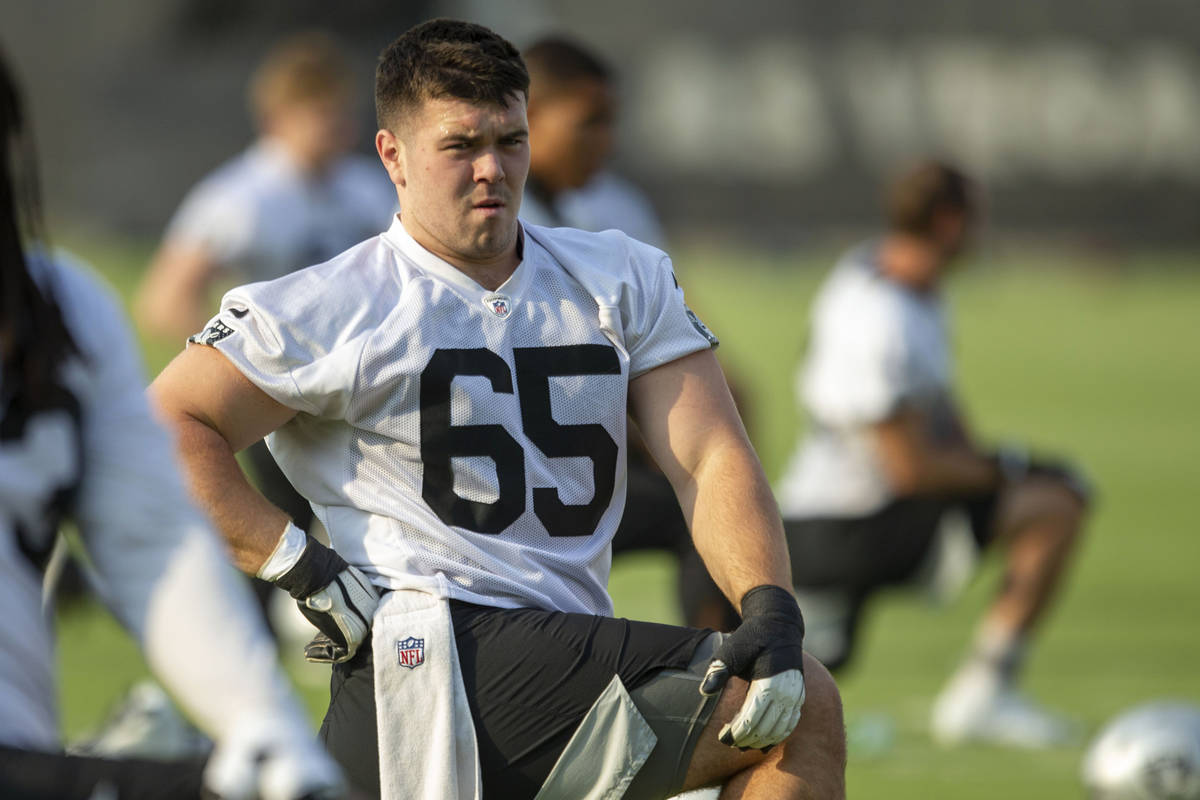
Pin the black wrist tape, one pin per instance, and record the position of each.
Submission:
(774, 603)
(316, 569)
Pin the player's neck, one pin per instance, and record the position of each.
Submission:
(910, 261)
(490, 273)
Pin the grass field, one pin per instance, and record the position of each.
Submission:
(1099, 362)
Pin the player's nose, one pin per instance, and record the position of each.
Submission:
(488, 167)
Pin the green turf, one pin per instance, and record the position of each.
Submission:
(1099, 361)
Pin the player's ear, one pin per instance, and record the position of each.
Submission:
(391, 153)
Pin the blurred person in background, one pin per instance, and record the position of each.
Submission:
(77, 440)
(889, 487)
(572, 125)
(296, 197)
(572, 120)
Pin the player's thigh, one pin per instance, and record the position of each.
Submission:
(820, 734)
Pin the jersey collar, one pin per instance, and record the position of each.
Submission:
(447, 272)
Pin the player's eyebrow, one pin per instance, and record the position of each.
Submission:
(474, 137)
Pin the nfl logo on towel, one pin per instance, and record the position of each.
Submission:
(411, 651)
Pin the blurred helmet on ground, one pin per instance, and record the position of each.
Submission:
(1151, 752)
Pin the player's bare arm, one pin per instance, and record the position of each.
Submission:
(215, 412)
(173, 300)
(687, 416)
(692, 428)
(915, 465)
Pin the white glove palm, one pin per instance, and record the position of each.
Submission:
(349, 603)
(769, 713)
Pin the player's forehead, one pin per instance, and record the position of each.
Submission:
(439, 117)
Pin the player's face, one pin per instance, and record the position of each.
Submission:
(572, 134)
(460, 173)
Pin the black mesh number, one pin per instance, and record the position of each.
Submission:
(535, 367)
(441, 441)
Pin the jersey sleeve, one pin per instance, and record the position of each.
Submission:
(659, 326)
(159, 564)
(304, 353)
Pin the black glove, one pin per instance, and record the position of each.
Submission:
(767, 650)
(334, 596)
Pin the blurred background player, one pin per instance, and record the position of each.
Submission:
(572, 124)
(889, 465)
(296, 197)
(77, 440)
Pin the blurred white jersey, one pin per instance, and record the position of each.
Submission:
(606, 202)
(874, 347)
(454, 439)
(260, 216)
(92, 451)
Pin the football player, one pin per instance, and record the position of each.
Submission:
(889, 466)
(77, 440)
(451, 396)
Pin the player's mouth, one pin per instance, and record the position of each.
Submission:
(490, 207)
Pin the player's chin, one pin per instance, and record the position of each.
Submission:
(485, 248)
(493, 235)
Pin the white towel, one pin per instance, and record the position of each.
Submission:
(427, 747)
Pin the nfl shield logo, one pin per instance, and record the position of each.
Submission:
(498, 304)
(411, 652)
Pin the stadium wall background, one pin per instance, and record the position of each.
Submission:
(767, 118)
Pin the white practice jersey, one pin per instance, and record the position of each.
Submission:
(260, 216)
(91, 451)
(607, 202)
(875, 346)
(459, 440)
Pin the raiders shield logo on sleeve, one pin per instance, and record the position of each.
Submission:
(702, 328)
(214, 333)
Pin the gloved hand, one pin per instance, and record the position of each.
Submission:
(271, 760)
(334, 596)
(766, 650)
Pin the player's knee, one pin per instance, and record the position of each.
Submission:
(821, 723)
(1051, 500)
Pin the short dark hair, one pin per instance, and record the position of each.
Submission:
(919, 194)
(556, 62)
(446, 58)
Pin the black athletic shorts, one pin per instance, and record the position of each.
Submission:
(32, 775)
(531, 676)
(880, 549)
